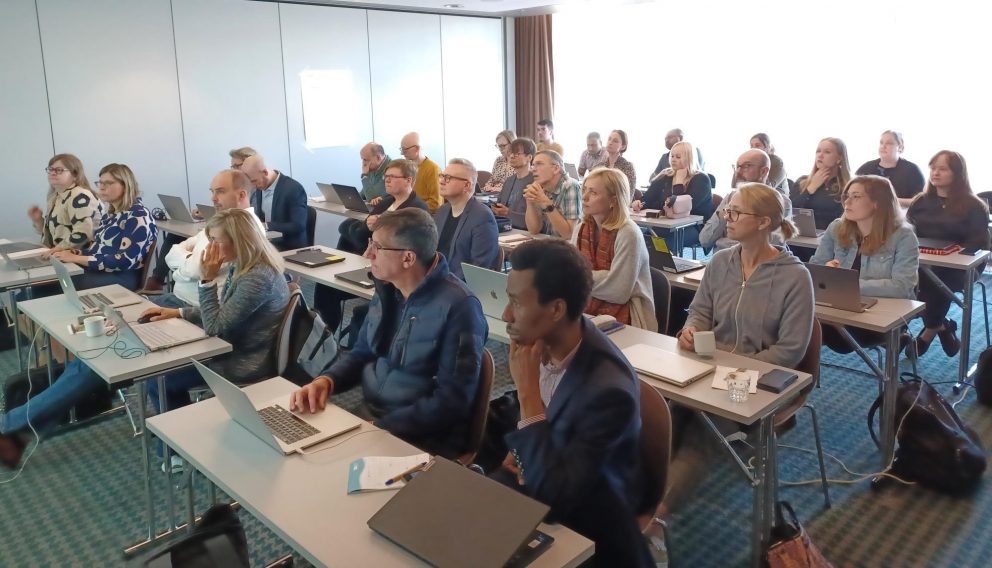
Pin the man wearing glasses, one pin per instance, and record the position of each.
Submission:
(554, 200)
(467, 228)
(419, 352)
(426, 185)
(511, 202)
(752, 166)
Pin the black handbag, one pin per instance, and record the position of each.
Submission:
(218, 540)
(935, 447)
(503, 224)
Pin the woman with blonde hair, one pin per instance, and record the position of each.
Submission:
(821, 189)
(757, 298)
(125, 235)
(247, 313)
(72, 212)
(614, 245)
(682, 178)
(872, 238)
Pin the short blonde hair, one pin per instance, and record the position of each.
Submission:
(764, 201)
(251, 247)
(618, 188)
(125, 176)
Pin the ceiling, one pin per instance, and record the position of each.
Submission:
(476, 7)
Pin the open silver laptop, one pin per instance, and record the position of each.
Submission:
(571, 171)
(92, 302)
(176, 208)
(26, 262)
(656, 363)
(838, 288)
(156, 335)
(330, 196)
(272, 422)
(206, 211)
(489, 287)
(805, 221)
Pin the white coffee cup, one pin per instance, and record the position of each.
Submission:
(705, 343)
(93, 326)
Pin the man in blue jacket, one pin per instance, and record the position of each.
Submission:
(419, 352)
(466, 228)
(279, 201)
(576, 446)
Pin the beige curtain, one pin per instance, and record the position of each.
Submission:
(535, 75)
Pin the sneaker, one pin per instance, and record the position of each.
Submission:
(655, 538)
(176, 465)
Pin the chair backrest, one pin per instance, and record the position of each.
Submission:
(146, 264)
(480, 408)
(311, 225)
(655, 450)
(810, 363)
(501, 260)
(484, 178)
(285, 335)
(662, 292)
(985, 196)
(712, 179)
(717, 200)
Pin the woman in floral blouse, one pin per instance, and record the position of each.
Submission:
(72, 212)
(121, 243)
(501, 167)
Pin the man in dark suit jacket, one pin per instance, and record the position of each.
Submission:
(466, 228)
(576, 446)
(280, 202)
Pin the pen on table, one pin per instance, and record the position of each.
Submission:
(402, 476)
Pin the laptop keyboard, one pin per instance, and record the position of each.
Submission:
(285, 425)
(683, 264)
(99, 302)
(154, 336)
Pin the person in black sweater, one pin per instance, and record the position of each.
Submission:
(355, 234)
(906, 177)
(821, 189)
(684, 177)
(946, 210)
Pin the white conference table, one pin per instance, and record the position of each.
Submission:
(13, 280)
(969, 264)
(336, 209)
(325, 275)
(676, 226)
(55, 313)
(303, 499)
(886, 317)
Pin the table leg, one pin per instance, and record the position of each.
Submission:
(966, 309)
(764, 490)
(147, 468)
(163, 407)
(12, 295)
(890, 389)
(190, 513)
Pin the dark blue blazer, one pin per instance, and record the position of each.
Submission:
(476, 237)
(289, 212)
(583, 459)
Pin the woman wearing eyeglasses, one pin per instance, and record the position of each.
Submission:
(821, 189)
(906, 177)
(872, 238)
(72, 212)
(501, 167)
(757, 298)
(121, 242)
(614, 245)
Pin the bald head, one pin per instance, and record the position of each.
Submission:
(231, 189)
(410, 146)
(673, 136)
(753, 166)
(372, 155)
(259, 174)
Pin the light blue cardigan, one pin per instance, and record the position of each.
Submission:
(892, 272)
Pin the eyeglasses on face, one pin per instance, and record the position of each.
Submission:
(389, 177)
(379, 248)
(100, 183)
(56, 171)
(745, 166)
(448, 177)
(734, 214)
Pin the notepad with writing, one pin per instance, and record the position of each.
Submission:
(372, 472)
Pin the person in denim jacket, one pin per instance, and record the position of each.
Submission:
(419, 351)
(872, 238)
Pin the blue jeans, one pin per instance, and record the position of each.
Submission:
(72, 386)
(177, 385)
(129, 279)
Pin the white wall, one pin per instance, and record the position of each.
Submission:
(723, 71)
(230, 84)
(170, 86)
(26, 144)
(112, 88)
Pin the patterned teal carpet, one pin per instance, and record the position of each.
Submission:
(79, 500)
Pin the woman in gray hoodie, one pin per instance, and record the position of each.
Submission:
(757, 298)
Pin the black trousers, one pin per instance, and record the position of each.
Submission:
(938, 303)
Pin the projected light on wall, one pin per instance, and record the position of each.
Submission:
(329, 117)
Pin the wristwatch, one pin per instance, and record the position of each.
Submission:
(549, 208)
